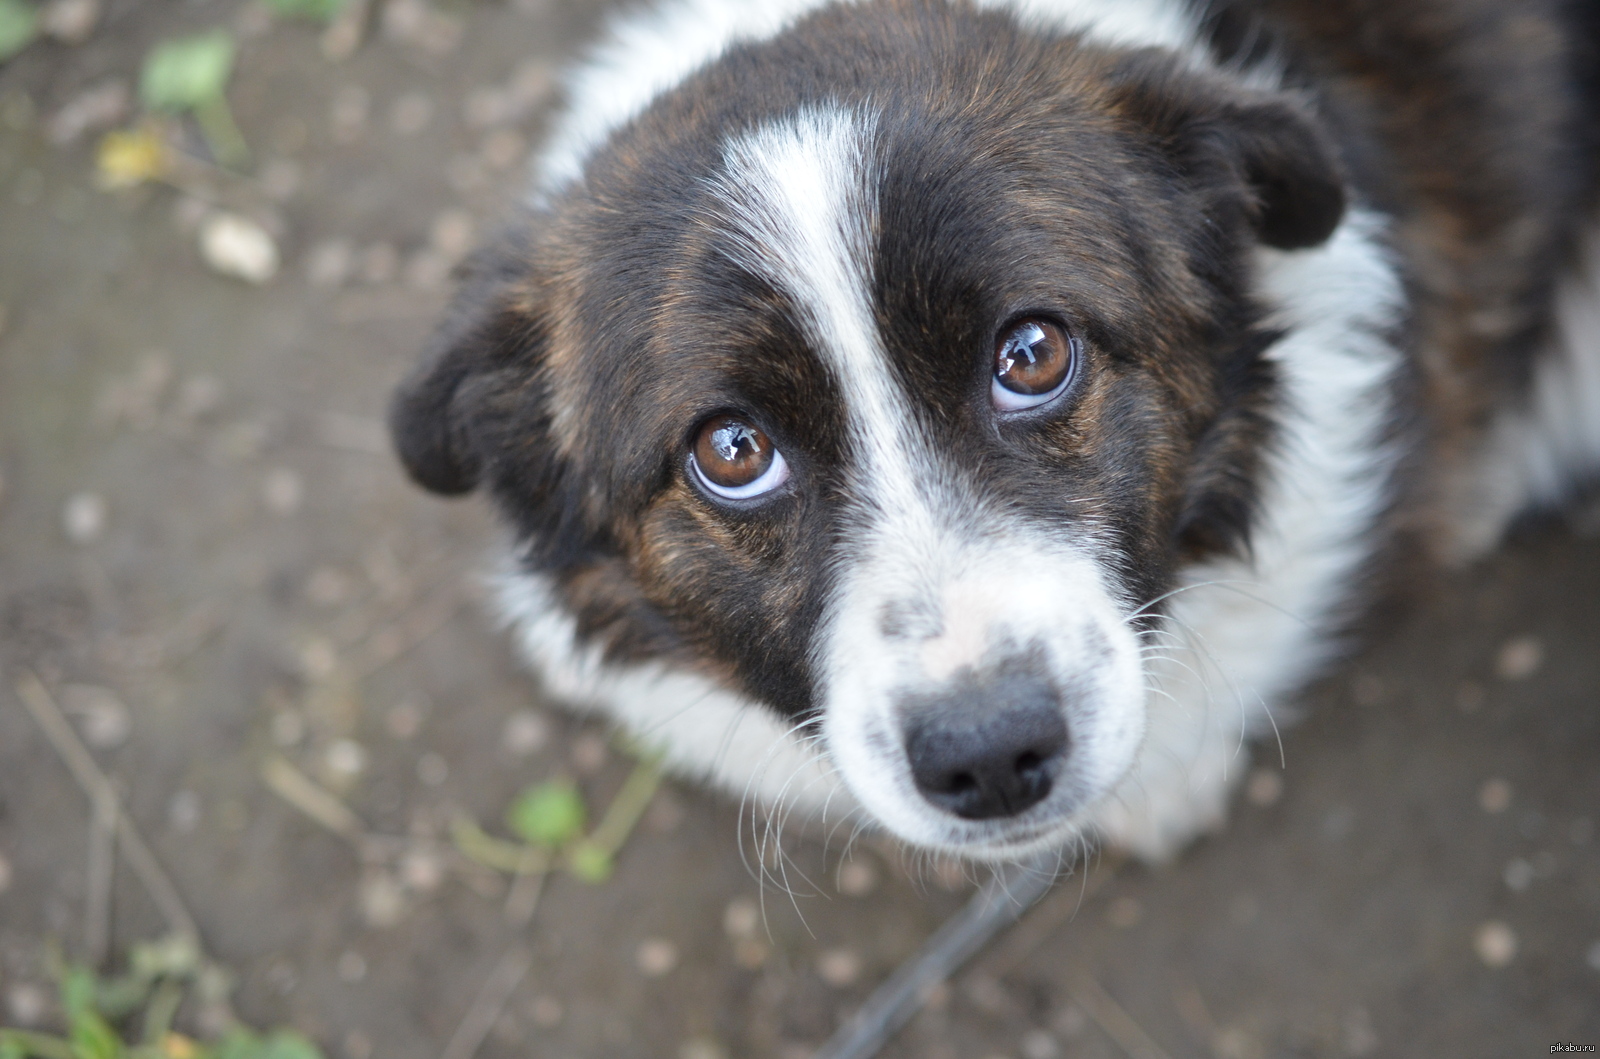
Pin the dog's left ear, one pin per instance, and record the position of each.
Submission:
(1268, 145)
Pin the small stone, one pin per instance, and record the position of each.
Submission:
(526, 732)
(27, 1003)
(346, 758)
(417, 23)
(403, 721)
(1264, 787)
(348, 114)
(422, 871)
(1039, 1044)
(411, 113)
(288, 728)
(1495, 943)
(751, 953)
(655, 957)
(352, 967)
(280, 178)
(380, 262)
(5, 874)
(95, 108)
(702, 1048)
(451, 234)
(237, 246)
(184, 812)
(1592, 957)
(503, 149)
(588, 754)
(547, 1012)
(357, 1045)
(1495, 796)
(330, 263)
(741, 918)
(282, 491)
(839, 967)
(857, 878)
(383, 902)
(1124, 913)
(199, 397)
(328, 586)
(103, 719)
(83, 518)
(69, 21)
(318, 659)
(1519, 875)
(432, 769)
(1519, 658)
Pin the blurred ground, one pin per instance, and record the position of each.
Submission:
(202, 533)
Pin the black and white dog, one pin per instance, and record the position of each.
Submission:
(978, 414)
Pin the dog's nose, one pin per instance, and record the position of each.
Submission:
(987, 748)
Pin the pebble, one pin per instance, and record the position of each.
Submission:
(741, 918)
(702, 1048)
(403, 721)
(451, 234)
(318, 659)
(1264, 787)
(588, 754)
(69, 21)
(330, 263)
(83, 517)
(1495, 795)
(1519, 658)
(655, 957)
(1039, 1044)
(1495, 943)
(751, 953)
(383, 902)
(1592, 958)
(422, 871)
(235, 245)
(415, 22)
(184, 811)
(288, 728)
(103, 720)
(346, 758)
(95, 108)
(282, 491)
(199, 398)
(1519, 875)
(27, 1004)
(5, 874)
(547, 1012)
(352, 967)
(857, 878)
(411, 113)
(503, 149)
(526, 732)
(432, 769)
(839, 967)
(1124, 913)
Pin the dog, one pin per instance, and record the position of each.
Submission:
(976, 418)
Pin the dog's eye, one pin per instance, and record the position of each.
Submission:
(1032, 364)
(734, 459)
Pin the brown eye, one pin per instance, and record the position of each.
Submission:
(1032, 364)
(734, 459)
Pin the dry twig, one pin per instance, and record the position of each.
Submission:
(491, 1000)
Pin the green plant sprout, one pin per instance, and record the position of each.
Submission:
(190, 75)
(145, 999)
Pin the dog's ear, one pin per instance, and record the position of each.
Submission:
(489, 327)
(1230, 138)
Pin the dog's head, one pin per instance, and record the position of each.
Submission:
(886, 371)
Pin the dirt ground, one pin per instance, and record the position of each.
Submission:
(209, 558)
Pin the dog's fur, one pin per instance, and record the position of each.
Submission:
(1324, 266)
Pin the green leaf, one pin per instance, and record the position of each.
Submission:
(286, 1044)
(319, 10)
(548, 815)
(187, 73)
(240, 1043)
(19, 24)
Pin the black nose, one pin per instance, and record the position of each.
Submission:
(987, 747)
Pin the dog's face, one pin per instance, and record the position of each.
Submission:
(886, 372)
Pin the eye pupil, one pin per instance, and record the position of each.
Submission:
(734, 459)
(1032, 359)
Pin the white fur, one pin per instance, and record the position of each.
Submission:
(1536, 451)
(647, 50)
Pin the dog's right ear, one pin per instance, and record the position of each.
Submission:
(490, 325)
